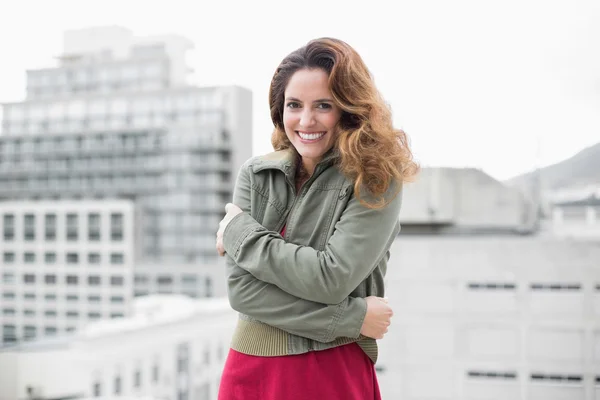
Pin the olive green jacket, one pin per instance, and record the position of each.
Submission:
(304, 291)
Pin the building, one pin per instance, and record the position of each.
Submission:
(116, 119)
(463, 201)
(64, 263)
(488, 313)
(163, 351)
(577, 215)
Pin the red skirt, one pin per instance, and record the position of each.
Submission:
(340, 373)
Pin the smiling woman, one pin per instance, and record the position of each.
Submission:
(307, 237)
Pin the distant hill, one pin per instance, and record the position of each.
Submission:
(581, 169)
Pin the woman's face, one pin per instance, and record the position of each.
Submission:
(310, 115)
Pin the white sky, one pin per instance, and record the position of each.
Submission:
(473, 83)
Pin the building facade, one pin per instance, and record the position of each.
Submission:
(120, 123)
(488, 304)
(117, 120)
(63, 265)
(171, 347)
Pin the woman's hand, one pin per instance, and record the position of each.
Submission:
(231, 211)
(378, 318)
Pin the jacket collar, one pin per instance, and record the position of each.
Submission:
(287, 161)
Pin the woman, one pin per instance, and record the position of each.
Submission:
(308, 236)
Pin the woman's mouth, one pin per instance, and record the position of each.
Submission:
(311, 136)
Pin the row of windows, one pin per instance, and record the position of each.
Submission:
(132, 143)
(140, 84)
(69, 314)
(114, 105)
(512, 375)
(186, 279)
(86, 74)
(7, 311)
(46, 144)
(120, 122)
(118, 383)
(93, 298)
(532, 286)
(9, 257)
(51, 279)
(183, 362)
(70, 224)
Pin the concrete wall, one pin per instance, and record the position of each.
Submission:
(492, 317)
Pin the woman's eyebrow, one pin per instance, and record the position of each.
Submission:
(316, 101)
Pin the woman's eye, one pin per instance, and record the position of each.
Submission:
(293, 104)
(324, 106)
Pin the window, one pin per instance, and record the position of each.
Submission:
(29, 312)
(97, 391)
(94, 299)
(50, 313)
(94, 315)
(72, 297)
(9, 227)
(29, 258)
(116, 299)
(50, 226)
(72, 279)
(9, 332)
(137, 378)
(50, 330)
(94, 280)
(117, 385)
(30, 331)
(94, 258)
(209, 290)
(29, 296)
(116, 281)
(29, 227)
(141, 279)
(572, 287)
(29, 278)
(8, 277)
(189, 280)
(116, 227)
(502, 375)
(8, 311)
(8, 257)
(155, 372)
(556, 378)
(50, 279)
(94, 227)
(72, 314)
(8, 295)
(72, 227)
(50, 297)
(72, 258)
(50, 258)
(117, 315)
(164, 280)
(116, 258)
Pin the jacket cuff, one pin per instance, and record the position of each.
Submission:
(351, 319)
(237, 231)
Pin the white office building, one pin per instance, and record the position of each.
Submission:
(116, 119)
(63, 264)
(171, 348)
(485, 309)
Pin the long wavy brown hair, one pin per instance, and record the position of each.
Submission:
(372, 152)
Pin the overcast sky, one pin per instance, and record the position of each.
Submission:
(473, 83)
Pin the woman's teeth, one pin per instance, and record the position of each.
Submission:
(311, 136)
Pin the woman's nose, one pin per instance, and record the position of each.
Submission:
(307, 118)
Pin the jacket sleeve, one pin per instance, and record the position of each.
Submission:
(361, 239)
(276, 307)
